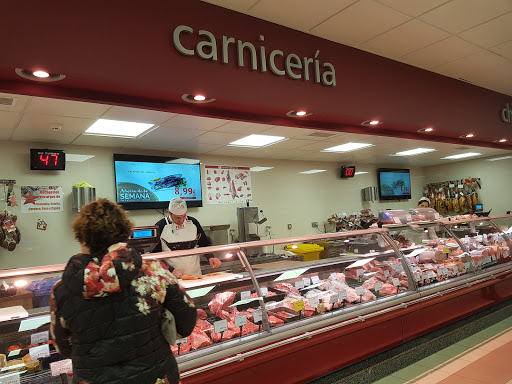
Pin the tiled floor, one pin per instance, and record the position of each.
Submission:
(484, 357)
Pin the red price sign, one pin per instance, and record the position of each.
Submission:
(348, 172)
(184, 191)
(49, 159)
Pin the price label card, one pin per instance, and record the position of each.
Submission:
(455, 270)
(40, 337)
(436, 216)
(396, 282)
(396, 220)
(485, 238)
(493, 258)
(359, 291)
(417, 277)
(62, 366)
(451, 185)
(334, 276)
(220, 326)
(342, 295)
(39, 352)
(182, 341)
(320, 308)
(408, 217)
(461, 186)
(240, 321)
(446, 250)
(257, 316)
(479, 238)
(467, 265)
(306, 281)
(298, 305)
(313, 301)
(10, 378)
(315, 279)
(386, 273)
(245, 295)
(487, 260)
(378, 287)
(264, 291)
(333, 299)
(359, 272)
(299, 284)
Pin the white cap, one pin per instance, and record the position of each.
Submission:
(178, 206)
(424, 199)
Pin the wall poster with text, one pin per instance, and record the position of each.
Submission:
(227, 185)
(37, 199)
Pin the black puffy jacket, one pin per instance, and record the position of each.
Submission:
(107, 315)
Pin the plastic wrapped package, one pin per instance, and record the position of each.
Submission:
(395, 216)
(429, 213)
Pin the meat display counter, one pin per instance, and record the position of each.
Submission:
(370, 290)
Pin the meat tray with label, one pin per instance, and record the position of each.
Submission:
(271, 295)
(284, 313)
(358, 245)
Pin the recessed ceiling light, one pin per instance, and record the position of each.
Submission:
(38, 75)
(198, 99)
(347, 147)
(117, 128)
(469, 135)
(412, 152)
(372, 123)
(428, 129)
(77, 158)
(260, 169)
(313, 171)
(462, 155)
(501, 141)
(500, 158)
(300, 113)
(360, 173)
(257, 141)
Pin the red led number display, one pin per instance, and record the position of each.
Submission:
(52, 159)
(47, 159)
(347, 172)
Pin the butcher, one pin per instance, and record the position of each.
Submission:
(177, 227)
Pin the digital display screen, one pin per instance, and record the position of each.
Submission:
(479, 207)
(47, 160)
(144, 182)
(348, 171)
(394, 184)
(141, 234)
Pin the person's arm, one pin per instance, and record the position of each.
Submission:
(61, 334)
(161, 224)
(183, 309)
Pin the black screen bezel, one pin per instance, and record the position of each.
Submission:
(34, 160)
(397, 170)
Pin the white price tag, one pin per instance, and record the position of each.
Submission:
(487, 260)
(467, 265)
(378, 287)
(359, 272)
(315, 279)
(431, 275)
(342, 295)
(299, 284)
(240, 321)
(396, 282)
(40, 337)
(182, 341)
(359, 291)
(355, 213)
(220, 326)
(396, 220)
(408, 217)
(334, 276)
(455, 270)
(493, 258)
(461, 186)
(485, 238)
(436, 216)
(371, 251)
(451, 185)
(257, 316)
(62, 366)
(264, 291)
(245, 295)
(479, 238)
(313, 301)
(386, 273)
(417, 277)
(306, 281)
(39, 352)
(10, 378)
(333, 299)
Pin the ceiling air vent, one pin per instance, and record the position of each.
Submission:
(7, 101)
(321, 134)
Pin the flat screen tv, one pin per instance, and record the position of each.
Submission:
(150, 182)
(394, 184)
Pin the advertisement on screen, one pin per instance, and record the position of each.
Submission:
(394, 184)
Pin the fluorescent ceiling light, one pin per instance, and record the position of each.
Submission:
(313, 171)
(347, 147)
(183, 161)
(500, 158)
(77, 158)
(103, 127)
(462, 155)
(412, 152)
(360, 173)
(256, 141)
(259, 169)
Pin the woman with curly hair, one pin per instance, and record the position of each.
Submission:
(108, 307)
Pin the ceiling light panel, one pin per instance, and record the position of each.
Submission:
(413, 152)
(462, 155)
(347, 147)
(313, 171)
(117, 128)
(500, 158)
(360, 173)
(77, 158)
(260, 169)
(257, 141)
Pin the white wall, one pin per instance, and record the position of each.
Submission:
(284, 195)
(496, 180)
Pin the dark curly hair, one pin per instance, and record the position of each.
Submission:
(100, 224)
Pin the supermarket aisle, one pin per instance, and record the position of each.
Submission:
(474, 350)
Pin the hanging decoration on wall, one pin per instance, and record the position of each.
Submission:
(9, 233)
(457, 196)
(227, 185)
(41, 224)
(37, 199)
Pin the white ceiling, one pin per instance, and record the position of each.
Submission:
(463, 39)
(31, 119)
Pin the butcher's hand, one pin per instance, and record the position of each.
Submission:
(177, 273)
(215, 263)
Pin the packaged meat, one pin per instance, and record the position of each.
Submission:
(274, 321)
(287, 288)
(429, 213)
(395, 216)
(221, 301)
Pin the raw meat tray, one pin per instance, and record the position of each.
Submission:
(256, 303)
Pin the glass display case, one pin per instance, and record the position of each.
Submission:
(268, 291)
